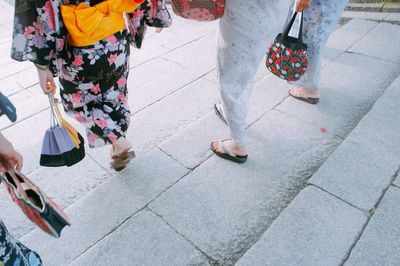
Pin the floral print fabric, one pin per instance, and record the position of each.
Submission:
(319, 22)
(12, 252)
(93, 79)
(153, 13)
(285, 62)
(94, 88)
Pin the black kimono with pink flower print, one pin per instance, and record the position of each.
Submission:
(93, 79)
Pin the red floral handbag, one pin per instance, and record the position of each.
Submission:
(200, 10)
(287, 55)
(35, 204)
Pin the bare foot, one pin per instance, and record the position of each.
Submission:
(121, 154)
(216, 145)
(121, 146)
(305, 94)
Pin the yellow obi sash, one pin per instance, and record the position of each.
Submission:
(87, 25)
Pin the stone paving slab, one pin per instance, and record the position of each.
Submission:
(145, 240)
(378, 16)
(357, 173)
(65, 185)
(26, 104)
(397, 181)
(5, 58)
(192, 28)
(347, 35)
(27, 78)
(180, 34)
(315, 229)
(150, 71)
(27, 137)
(13, 67)
(149, 51)
(191, 147)
(380, 43)
(205, 47)
(366, 162)
(173, 114)
(17, 82)
(102, 210)
(379, 243)
(381, 125)
(266, 95)
(348, 91)
(176, 79)
(10, 86)
(5, 35)
(394, 17)
(223, 207)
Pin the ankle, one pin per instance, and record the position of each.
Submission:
(121, 145)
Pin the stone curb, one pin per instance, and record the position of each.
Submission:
(374, 7)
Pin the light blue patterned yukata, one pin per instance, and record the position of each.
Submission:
(245, 31)
(13, 253)
(319, 22)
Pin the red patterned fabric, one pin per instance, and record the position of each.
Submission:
(36, 206)
(200, 10)
(287, 63)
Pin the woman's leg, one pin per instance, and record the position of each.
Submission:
(320, 21)
(94, 89)
(246, 30)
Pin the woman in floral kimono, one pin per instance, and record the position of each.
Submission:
(319, 22)
(86, 43)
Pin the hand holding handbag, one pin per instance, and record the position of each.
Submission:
(37, 207)
(200, 10)
(287, 55)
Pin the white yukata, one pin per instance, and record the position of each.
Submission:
(320, 21)
(246, 31)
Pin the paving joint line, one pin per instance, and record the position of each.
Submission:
(373, 210)
(362, 37)
(107, 170)
(365, 212)
(257, 238)
(169, 51)
(126, 219)
(209, 258)
(15, 73)
(373, 57)
(267, 112)
(171, 93)
(109, 233)
(173, 158)
(25, 118)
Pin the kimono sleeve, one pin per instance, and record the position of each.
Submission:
(153, 13)
(34, 32)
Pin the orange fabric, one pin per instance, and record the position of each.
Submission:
(87, 25)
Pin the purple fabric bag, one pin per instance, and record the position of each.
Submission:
(58, 148)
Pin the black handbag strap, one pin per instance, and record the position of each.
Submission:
(289, 26)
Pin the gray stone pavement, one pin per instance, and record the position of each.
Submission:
(177, 204)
